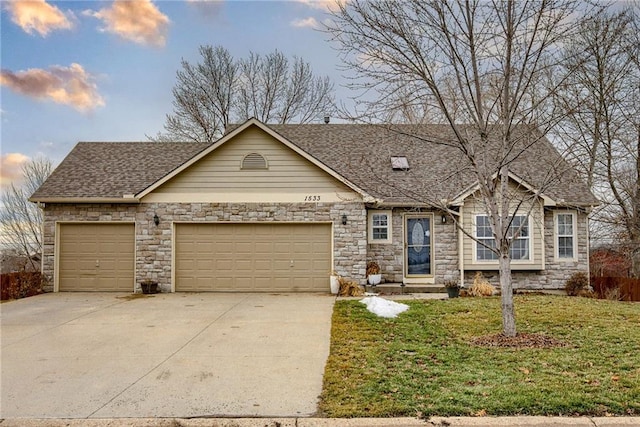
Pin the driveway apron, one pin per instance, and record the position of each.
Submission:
(97, 355)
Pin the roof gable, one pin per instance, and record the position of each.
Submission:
(236, 135)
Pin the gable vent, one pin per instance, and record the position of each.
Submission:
(254, 161)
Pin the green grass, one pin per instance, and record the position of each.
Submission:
(422, 364)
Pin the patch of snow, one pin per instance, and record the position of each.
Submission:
(384, 308)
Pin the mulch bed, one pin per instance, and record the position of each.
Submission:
(521, 340)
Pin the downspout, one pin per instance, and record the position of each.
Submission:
(461, 243)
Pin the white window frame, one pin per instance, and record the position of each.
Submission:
(371, 226)
(557, 235)
(529, 240)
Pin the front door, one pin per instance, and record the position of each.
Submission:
(418, 246)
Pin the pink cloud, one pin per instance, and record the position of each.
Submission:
(11, 167)
(139, 21)
(37, 15)
(71, 85)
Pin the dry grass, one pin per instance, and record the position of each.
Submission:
(349, 288)
(481, 287)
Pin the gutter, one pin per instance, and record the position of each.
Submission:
(80, 200)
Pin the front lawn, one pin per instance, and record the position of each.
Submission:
(422, 363)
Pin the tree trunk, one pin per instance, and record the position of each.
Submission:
(506, 288)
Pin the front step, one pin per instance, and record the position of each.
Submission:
(401, 288)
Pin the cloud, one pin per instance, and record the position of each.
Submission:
(208, 8)
(325, 5)
(71, 85)
(309, 22)
(37, 15)
(139, 21)
(11, 167)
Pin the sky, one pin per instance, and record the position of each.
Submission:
(103, 70)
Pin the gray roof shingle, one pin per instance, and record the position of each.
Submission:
(360, 153)
(114, 169)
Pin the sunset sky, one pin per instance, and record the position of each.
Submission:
(103, 70)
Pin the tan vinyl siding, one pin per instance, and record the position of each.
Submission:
(473, 206)
(220, 175)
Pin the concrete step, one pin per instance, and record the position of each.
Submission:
(400, 288)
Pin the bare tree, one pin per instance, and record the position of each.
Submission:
(22, 220)
(488, 68)
(220, 89)
(601, 129)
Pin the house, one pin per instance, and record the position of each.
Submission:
(275, 208)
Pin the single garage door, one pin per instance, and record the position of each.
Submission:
(253, 257)
(96, 257)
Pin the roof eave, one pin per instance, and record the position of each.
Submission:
(80, 200)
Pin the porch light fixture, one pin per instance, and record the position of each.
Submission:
(444, 219)
(344, 219)
(156, 220)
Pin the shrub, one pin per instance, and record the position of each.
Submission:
(21, 285)
(576, 283)
(372, 268)
(480, 290)
(481, 286)
(349, 288)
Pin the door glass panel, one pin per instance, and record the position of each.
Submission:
(418, 246)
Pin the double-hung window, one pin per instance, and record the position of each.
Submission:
(379, 226)
(565, 235)
(518, 232)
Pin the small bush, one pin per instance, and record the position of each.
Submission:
(576, 283)
(481, 290)
(372, 268)
(613, 294)
(21, 285)
(349, 288)
(481, 287)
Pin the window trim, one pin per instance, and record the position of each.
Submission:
(556, 236)
(370, 227)
(529, 238)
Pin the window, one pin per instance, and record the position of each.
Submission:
(254, 161)
(565, 237)
(519, 245)
(379, 226)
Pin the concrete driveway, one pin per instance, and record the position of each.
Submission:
(99, 355)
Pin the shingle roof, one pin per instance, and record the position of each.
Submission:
(438, 170)
(114, 169)
(359, 153)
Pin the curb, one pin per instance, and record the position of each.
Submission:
(529, 421)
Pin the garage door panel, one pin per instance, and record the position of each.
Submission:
(96, 257)
(254, 257)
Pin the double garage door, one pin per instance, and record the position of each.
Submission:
(208, 257)
(252, 257)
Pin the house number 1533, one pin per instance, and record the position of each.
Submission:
(311, 198)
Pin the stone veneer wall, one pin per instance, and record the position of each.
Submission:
(556, 273)
(154, 243)
(390, 256)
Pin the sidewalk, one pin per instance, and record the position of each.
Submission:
(330, 422)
